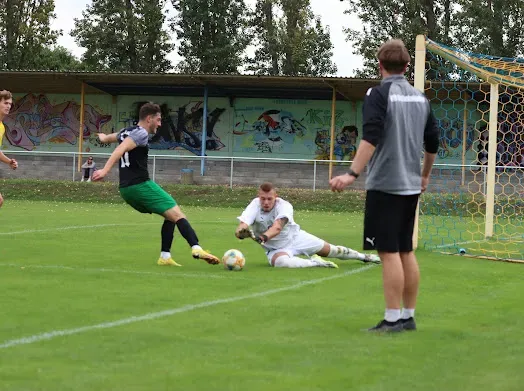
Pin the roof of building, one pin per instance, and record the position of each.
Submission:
(175, 84)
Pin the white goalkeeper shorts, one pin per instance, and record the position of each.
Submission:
(302, 244)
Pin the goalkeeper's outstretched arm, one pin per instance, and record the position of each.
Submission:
(242, 231)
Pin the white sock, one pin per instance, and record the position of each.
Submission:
(295, 262)
(408, 313)
(196, 247)
(392, 315)
(342, 252)
(165, 255)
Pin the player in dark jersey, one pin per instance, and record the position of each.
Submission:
(142, 193)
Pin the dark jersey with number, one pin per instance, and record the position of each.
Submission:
(133, 164)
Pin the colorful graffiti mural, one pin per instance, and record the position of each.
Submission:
(293, 127)
(182, 127)
(278, 128)
(272, 130)
(451, 124)
(345, 145)
(35, 121)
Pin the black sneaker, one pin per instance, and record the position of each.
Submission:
(409, 324)
(388, 327)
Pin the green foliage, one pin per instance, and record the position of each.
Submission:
(214, 35)
(189, 195)
(25, 32)
(454, 204)
(58, 59)
(492, 27)
(294, 44)
(404, 19)
(124, 35)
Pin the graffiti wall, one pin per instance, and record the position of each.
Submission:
(275, 128)
(182, 123)
(452, 123)
(294, 128)
(52, 122)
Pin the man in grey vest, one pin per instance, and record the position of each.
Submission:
(397, 125)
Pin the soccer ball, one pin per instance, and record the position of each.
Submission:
(233, 260)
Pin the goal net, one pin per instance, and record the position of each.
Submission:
(475, 205)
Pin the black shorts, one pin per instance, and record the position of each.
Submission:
(389, 221)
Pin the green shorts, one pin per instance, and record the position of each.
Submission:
(147, 197)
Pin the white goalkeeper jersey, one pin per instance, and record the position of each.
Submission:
(260, 222)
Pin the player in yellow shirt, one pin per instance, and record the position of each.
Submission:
(6, 101)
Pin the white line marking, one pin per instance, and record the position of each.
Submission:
(162, 314)
(104, 270)
(30, 231)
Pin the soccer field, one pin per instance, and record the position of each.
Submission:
(85, 307)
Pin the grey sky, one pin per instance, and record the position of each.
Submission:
(330, 11)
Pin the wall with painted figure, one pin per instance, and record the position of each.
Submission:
(182, 123)
(299, 129)
(275, 128)
(52, 122)
(452, 123)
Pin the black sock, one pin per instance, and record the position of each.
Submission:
(187, 232)
(168, 230)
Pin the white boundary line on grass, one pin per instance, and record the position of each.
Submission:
(174, 311)
(105, 270)
(31, 231)
(67, 228)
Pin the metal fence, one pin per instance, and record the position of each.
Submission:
(251, 171)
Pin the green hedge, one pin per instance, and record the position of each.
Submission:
(190, 195)
(451, 204)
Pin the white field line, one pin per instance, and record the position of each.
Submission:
(122, 271)
(67, 228)
(156, 315)
(71, 227)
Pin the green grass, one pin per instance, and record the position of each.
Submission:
(305, 337)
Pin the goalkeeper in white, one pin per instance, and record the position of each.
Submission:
(268, 220)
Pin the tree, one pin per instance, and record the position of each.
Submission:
(25, 31)
(124, 35)
(58, 59)
(267, 58)
(294, 44)
(403, 19)
(213, 33)
(493, 27)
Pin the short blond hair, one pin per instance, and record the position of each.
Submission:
(4, 94)
(393, 56)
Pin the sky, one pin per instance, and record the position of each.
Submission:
(332, 16)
